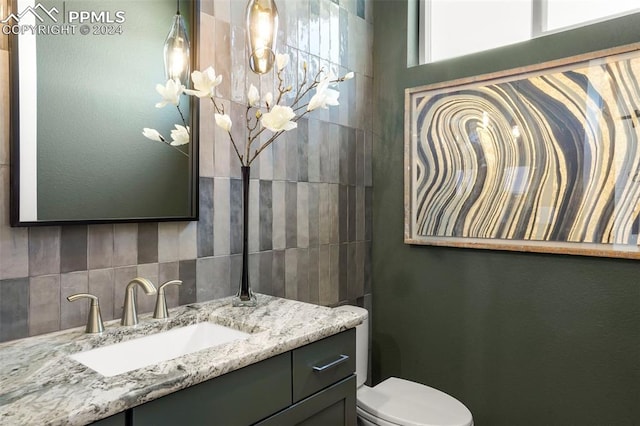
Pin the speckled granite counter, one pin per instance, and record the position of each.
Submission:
(41, 385)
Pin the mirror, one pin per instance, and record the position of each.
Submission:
(83, 78)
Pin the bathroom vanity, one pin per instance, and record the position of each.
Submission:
(295, 367)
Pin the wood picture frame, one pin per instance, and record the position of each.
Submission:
(544, 158)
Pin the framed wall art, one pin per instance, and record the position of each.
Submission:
(543, 158)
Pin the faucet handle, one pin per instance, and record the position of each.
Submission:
(94, 322)
(161, 312)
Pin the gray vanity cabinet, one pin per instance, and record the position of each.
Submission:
(241, 397)
(311, 385)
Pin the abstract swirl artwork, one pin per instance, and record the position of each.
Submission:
(544, 159)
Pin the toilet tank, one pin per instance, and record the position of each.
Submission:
(362, 343)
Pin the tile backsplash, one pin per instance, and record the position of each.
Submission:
(310, 200)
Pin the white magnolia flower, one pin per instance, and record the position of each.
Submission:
(348, 76)
(180, 135)
(204, 83)
(152, 134)
(223, 121)
(268, 99)
(279, 118)
(282, 60)
(170, 93)
(253, 96)
(324, 96)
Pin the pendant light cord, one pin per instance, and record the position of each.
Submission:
(178, 7)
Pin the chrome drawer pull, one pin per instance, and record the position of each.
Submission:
(340, 360)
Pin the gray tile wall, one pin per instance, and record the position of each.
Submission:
(310, 208)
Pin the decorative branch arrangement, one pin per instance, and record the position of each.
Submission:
(263, 113)
(181, 135)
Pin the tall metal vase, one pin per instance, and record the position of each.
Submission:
(245, 296)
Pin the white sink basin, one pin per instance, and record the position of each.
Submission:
(148, 350)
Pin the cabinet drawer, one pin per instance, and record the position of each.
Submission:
(323, 363)
(334, 406)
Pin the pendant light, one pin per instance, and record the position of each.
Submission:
(176, 50)
(262, 30)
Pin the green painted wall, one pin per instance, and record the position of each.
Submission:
(521, 339)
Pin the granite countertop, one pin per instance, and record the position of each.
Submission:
(41, 385)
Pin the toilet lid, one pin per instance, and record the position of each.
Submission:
(412, 404)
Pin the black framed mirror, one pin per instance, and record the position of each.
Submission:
(83, 87)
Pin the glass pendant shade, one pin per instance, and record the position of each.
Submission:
(176, 52)
(262, 29)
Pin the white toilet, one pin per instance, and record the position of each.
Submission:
(398, 402)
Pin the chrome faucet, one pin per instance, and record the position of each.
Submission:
(160, 311)
(94, 322)
(129, 314)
